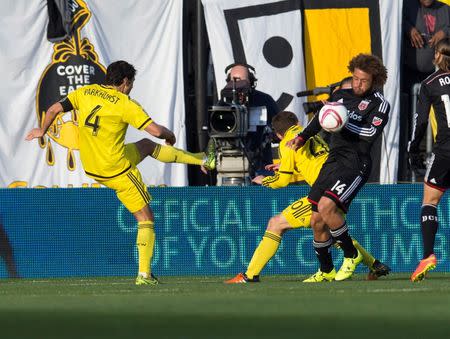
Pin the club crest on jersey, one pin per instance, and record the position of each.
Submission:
(377, 121)
(363, 105)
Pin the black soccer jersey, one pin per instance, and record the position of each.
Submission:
(367, 117)
(434, 90)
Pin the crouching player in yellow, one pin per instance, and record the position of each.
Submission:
(306, 162)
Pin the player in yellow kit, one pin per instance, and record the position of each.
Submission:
(105, 111)
(306, 162)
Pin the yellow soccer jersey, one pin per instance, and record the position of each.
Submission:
(306, 161)
(103, 118)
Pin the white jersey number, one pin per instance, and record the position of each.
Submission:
(338, 187)
(446, 100)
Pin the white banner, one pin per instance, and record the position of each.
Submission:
(36, 72)
(390, 24)
(265, 34)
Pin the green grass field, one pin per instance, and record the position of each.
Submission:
(204, 307)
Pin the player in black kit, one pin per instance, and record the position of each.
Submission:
(348, 166)
(434, 90)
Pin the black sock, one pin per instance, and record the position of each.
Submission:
(341, 236)
(322, 249)
(429, 225)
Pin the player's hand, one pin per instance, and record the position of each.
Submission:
(272, 167)
(436, 37)
(258, 179)
(295, 143)
(34, 133)
(415, 162)
(416, 38)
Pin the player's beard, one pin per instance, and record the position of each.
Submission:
(360, 92)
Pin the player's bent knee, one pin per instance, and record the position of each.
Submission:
(146, 147)
(276, 225)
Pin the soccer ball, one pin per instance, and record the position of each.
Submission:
(333, 116)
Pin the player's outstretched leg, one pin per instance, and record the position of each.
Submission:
(263, 253)
(376, 268)
(169, 154)
(266, 249)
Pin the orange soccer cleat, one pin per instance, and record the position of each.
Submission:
(425, 265)
(242, 278)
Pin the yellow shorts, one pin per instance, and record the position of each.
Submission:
(129, 187)
(298, 214)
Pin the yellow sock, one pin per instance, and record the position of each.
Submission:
(368, 259)
(263, 253)
(172, 154)
(145, 243)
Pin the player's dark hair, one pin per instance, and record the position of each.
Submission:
(283, 121)
(117, 71)
(443, 61)
(370, 64)
(345, 82)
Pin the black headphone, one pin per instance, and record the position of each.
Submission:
(251, 73)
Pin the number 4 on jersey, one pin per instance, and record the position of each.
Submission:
(95, 124)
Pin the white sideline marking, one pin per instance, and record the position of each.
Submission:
(380, 290)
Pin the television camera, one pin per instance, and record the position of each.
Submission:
(228, 126)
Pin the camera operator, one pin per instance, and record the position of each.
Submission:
(261, 107)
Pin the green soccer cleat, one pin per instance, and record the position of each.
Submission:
(320, 276)
(140, 280)
(210, 159)
(348, 267)
(377, 270)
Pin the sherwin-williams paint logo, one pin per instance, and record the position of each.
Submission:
(74, 64)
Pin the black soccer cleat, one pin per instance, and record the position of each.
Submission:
(377, 270)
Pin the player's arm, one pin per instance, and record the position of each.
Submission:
(419, 128)
(69, 103)
(283, 176)
(161, 132)
(50, 116)
(312, 129)
(137, 117)
(420, 120)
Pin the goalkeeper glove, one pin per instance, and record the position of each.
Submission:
(415, 161)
